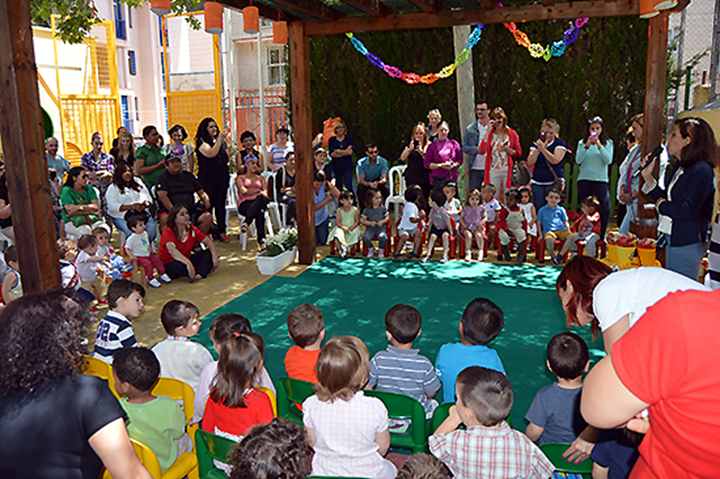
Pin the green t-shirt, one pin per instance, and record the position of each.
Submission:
(157, 424)
(152, 156)
(68, 196)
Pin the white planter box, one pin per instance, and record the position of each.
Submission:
(269, 265)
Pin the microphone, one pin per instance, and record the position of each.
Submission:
(655, 153)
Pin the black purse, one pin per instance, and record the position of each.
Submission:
(520, 174)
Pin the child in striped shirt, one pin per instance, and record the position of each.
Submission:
(401, 369)
(125, 300)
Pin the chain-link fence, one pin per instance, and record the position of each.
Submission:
(690, 42)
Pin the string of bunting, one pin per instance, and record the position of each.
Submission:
(536, 51)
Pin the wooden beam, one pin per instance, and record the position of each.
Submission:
(488, 4)
(525, 13)
(21, 127)
(550, 3)
(373, 8)
(302, 132)
(265, 11)
(653, 117)
(428, 6)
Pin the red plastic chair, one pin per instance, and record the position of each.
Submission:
(396, 239)
(388, 244)
(353, 248)
(451, 242)
(600, 245)
(461, 244)
(540, 251)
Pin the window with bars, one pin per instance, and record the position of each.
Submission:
(132, 63)
(120, 31)
(276, 66)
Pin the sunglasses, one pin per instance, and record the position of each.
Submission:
(597, 119)
(84, 177)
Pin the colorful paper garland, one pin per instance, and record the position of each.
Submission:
(535, 49)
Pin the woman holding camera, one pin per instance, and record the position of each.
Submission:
(594, 154)
(502, 144)
(414, 154)
(547, 155)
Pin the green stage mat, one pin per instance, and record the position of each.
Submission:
(354, 295)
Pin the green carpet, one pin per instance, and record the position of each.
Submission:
(354, 295)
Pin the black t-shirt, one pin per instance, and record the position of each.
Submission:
(213, 170)
(180, 188)
(45, 434)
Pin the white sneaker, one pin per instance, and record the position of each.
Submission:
(154, 283)
(468, 256)
(481, 256)
(371, 253)
(165, 278)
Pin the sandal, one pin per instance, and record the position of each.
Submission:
(244, 228)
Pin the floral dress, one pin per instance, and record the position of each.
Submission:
(347, 219)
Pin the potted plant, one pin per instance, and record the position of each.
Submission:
(280, 252)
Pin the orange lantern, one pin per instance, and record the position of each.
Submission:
(213, 18)
(251, 19)
(280, 33)
(665, 4)
(647, 9)
(160, 7)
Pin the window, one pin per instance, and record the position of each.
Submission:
(132, 64)
(125, 110)
(129, 20)
(162, 68)
(137, 110)
(163, 33)
(119, 21)
(167, 125)
(276, 66)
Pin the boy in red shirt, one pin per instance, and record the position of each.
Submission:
(306, 327)
(587, 226)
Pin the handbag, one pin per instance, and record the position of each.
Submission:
(79, 220)
(558, 181)
(520, 174)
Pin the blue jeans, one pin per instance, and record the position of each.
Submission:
(539, 193)
(685, 260)
(322, 231)
(121, 224)
(475, 179)
(630, 214)
(343, 179)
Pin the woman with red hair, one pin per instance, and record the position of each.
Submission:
(612, 303)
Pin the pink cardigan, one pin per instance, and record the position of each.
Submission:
(485, 148)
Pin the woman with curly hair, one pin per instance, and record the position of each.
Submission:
(56, 422)
(273, 451)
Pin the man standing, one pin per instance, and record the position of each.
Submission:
(474, 134)
(372, 173)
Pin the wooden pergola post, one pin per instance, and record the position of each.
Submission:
(653, 114)
(302, 132)
(21, 126)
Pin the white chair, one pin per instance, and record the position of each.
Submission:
(231, 199)
(273, 207)
(397, 187)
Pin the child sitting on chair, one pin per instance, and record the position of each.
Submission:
(138, 248)
(512, 222)
(473, 219)
(410, 222)
(374, 217)
(587, 227)
(346, 232)
(88, 266)
(489, 447)
(452, 204)
(552, 223)
(439, 225)
(155, 421)
(306, 328)
(492, 206)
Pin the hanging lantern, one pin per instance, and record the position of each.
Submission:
(213, 18)
(647, 9)
(160, 7)
(280, 33)
(251, 19)
(665, 4)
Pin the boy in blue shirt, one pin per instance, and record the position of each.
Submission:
(552, 222)
(481, 322)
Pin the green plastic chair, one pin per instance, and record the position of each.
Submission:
(441, 413)
(400, 406)
(554, 452)
(209, 447)
(290, 393)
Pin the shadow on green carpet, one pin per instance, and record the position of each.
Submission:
(354, 295)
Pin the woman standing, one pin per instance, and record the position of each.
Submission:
(500, 145)
(127, 193)
(253, 198)
(213, 171)
(547, 155)
(125, 151)
(414, 154)
(324, 193)
(434, 119)
(278, 151)
(79, 203)
(179, 247)
(594, 154)
(687, 203)
(341, 149)
(178, 135)
(285, 186)
(442, 158)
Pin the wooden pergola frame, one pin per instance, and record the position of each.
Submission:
(21, 119)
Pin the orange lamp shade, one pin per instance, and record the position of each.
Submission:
(160, 7)
(251, 19)
(665, 4)
(647, 9)
(280, 33)
(213, 18)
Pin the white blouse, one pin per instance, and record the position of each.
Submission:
(115, 199)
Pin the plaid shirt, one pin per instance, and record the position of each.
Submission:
(105, 162)
(490, 453)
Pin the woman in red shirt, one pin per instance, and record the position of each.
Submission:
(180, 247)
(502, 145)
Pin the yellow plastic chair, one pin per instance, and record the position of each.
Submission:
(185, 465)
(99, 368)
(272, 397)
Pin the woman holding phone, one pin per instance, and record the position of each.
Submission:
(502, 144)
(594, 154)
(547, 155)
(414, 154)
